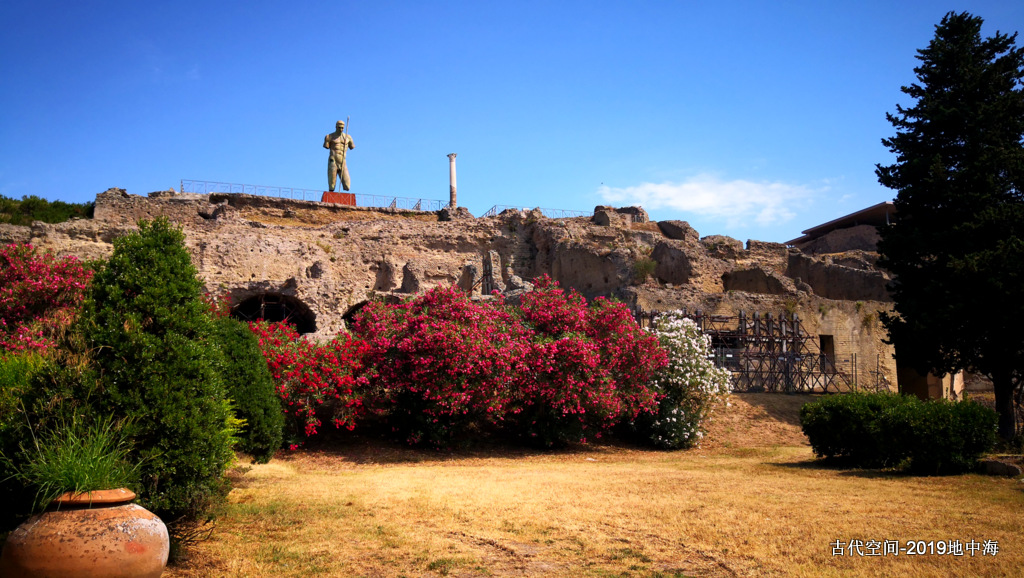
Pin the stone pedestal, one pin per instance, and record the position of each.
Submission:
(338, 198)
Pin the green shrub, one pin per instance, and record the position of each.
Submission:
(17, 371)
(251, 388)
(888, 430)
(151, 341)
(940, 437)
(846, 427)
(643, 268)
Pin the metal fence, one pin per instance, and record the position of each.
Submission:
(549, 213)
(207, 187)
(386, 201)
(404, 203)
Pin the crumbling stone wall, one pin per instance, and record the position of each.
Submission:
(835, 281)
(117, 206)
(333, 259)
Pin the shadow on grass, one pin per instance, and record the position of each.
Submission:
(364, 449)
(842, 468)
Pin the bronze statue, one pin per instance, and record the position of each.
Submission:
(338, 142)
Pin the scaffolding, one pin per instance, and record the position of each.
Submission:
(774, 354)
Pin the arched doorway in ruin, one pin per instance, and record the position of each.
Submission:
(350, 314)
(276, 307)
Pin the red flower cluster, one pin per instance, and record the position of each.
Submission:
(443, 363)
(315, 381)
(39, 294)
(588, 366)
(445, 367)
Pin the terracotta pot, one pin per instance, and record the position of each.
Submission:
(88, 535)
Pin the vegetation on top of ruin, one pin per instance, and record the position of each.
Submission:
(32, 208)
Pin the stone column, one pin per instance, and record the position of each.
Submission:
(451, 179)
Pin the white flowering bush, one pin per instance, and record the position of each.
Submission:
(689, 387)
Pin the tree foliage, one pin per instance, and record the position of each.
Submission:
(157, 361)
(250, 387)
(956, 245)
(32, 208)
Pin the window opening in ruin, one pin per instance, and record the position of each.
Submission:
(275, 307)
(827, 347)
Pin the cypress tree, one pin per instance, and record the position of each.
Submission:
(956, 245)
(151, 342)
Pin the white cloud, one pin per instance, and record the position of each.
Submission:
(736, 202)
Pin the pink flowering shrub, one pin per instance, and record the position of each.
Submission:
(444, 364)
(565, 393)
(316, 382)
(440, 368)
(588, 367)
(631, 355)
(39, 295)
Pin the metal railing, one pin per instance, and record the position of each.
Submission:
(387, 201)
(549, 213)
(403, 203)
(207, 187)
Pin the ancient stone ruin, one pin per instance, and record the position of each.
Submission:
(316, 264)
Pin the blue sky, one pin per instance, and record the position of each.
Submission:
(749, 119)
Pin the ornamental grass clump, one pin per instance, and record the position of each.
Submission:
(73, 456)
(689, 387)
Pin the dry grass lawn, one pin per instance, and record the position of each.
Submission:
(751, 502)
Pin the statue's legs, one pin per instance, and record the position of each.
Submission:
(345, 182)
(332, 174)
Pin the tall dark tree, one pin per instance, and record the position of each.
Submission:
(956, 245)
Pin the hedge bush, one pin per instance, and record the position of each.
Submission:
(251, 389)
(846, 427)
(877, 430)
(151, 340)
(939, 437)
